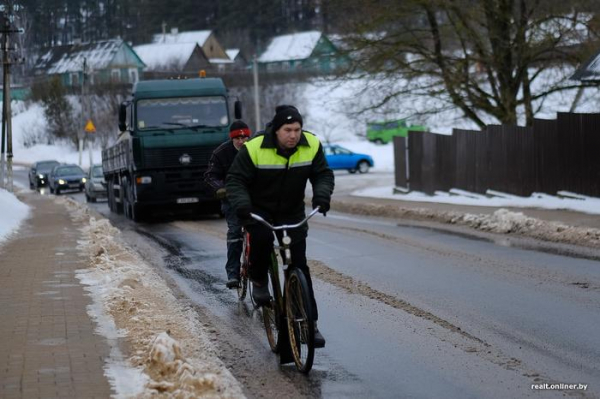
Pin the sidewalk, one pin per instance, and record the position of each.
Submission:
(48, 347)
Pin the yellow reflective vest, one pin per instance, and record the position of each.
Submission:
(269, 181)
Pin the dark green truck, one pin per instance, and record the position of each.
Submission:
(168, 131)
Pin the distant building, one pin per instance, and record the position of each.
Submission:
(307, 51)
(106, 61)
(207, 41)
(172, 57)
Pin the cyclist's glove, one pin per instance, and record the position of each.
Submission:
(324, 205)
(243, 215)
(221, 193)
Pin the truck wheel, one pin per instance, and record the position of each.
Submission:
(363, 167)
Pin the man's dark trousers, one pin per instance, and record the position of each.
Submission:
(234, 241)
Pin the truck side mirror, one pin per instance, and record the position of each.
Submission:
(237, 109)
(123, 117)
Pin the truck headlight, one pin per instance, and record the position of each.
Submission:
(83, 179)
(41, 176)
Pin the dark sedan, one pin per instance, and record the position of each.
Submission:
(38, 173)
(66, 177)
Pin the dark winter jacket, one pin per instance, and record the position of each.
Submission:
(219, 164)
(272, 183)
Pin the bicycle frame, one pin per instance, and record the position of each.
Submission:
(285, 240)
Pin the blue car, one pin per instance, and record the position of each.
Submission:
(342, 158)
(66, 177)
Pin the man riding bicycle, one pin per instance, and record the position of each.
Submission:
(268, 177)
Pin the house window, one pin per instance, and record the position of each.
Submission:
(75, 79)
(115, 75)
(133, 75)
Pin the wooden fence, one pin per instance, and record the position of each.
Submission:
(551, 155)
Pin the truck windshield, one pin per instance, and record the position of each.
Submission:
(182, 111)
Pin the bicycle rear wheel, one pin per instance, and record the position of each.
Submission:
(272, 313)
(244, 263)
(301, 325)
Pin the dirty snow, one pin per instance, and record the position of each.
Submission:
(171, 355)
(12, 213)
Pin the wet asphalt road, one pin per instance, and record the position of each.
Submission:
(407, 311)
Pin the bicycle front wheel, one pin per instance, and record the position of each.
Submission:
(272, 313)
(301, 325)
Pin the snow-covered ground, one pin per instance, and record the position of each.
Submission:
(12, 213)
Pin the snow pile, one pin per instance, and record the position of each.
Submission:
(502, 221)
(13, 212)
(167, 360)
(171, 355)
(583, 204)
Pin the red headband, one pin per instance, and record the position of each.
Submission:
(240, 132)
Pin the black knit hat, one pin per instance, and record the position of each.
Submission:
(239, 128)
(285, 114)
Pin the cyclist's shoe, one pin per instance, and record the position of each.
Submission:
(233, 283)
(260, 294)
(319, 339)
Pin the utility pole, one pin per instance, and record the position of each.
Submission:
(256, 104)
(5, 92)
(8, 18)
(80, 134)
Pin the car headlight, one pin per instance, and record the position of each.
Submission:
(61, 181)
(41, 176)
(83, 179)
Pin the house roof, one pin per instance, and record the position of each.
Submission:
(589, 71)
(69, 58)
(232, 53)
(196, 36)
(164, 55)
(296, 46)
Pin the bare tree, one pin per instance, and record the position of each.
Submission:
(485, 57)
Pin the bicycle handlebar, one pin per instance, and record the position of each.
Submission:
(284, 226)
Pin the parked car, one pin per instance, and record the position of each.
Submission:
(38, 173)
(342, 158)
(95, 185)
(66, 177)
